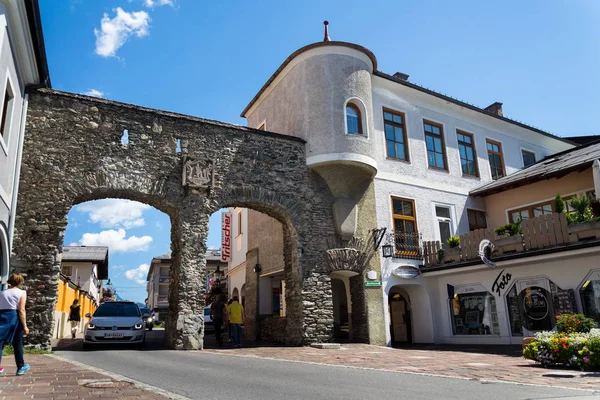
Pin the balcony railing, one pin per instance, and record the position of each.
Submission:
(539, 233)
(407, 245)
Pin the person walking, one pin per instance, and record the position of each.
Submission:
(236, 319)
(13, 321)
(227, 322)
(75, 317)
(217, 314)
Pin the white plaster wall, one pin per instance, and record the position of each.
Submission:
(9, 144)
(236, 279)
(567, 269)
(239, 243)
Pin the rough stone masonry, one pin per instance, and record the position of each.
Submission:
(73, 153)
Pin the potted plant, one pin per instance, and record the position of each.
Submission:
(582, 224)
(510, 238)
(452, 252)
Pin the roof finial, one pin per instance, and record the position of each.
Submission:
(327, 38)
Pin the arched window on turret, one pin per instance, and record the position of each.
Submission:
(353, 119)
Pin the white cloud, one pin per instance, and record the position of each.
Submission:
(138, 274)
(116, 241)
(94, 93)
(117, 266)
(115, 213)
(159, 226)
(113, 33)
(159, 3)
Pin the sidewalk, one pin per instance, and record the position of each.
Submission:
(484, 363)
(51, 378)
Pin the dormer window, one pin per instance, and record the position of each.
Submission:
(353, 120)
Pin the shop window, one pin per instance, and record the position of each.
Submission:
(476, 219)
(444, 222)
(474, 313)
(533, 303)
(590, 297)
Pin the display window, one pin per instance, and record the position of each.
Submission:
(533, 304)
(473, 311)
(590, 295)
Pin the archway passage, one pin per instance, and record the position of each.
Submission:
(185, 167)
(401, 320)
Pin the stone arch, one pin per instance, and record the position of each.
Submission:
(73, 153)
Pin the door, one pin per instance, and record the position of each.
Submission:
(401, 330)
(535, 305)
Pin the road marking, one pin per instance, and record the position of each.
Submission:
(118, 377)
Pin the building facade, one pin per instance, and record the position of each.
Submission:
(82, 270)
(23, 66)
(396, 155)
(159, 276)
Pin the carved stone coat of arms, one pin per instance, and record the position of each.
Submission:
(199, 174)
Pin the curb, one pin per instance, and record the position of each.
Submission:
(117, 377)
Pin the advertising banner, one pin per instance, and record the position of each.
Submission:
(226, 236)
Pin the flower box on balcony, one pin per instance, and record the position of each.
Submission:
(451, 255)
(510, 244)
(584, 230)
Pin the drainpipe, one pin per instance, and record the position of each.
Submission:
(15, 188)
(257, 269)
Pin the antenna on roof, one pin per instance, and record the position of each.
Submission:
(327, 38)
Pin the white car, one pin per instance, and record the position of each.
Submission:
(115, 322)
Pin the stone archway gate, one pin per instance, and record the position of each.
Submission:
(186, 167)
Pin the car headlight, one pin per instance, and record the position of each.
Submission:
(138, 326)
(91, 326)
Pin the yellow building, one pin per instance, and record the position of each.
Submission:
(82, 271)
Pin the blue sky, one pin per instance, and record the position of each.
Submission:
(208, 59)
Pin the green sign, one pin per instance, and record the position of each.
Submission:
(375, 283)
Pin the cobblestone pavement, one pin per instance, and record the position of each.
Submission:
(51, 378)
(495, 363)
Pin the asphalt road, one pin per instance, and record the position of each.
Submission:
(202, 375)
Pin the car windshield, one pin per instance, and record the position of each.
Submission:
(117, 310)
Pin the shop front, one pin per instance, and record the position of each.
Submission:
(482, 305)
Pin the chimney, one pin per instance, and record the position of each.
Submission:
(401, 75)
(495, 108)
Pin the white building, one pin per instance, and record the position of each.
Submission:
(22, 66)
(396, 155)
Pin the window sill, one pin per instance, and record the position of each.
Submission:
(357, 136)
(472, 177)
(438, 170)
(398, 160)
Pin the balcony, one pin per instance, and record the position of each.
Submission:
(407, 246)
(541, 234)
(162, 299)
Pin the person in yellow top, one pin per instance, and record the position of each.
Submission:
(236, 319)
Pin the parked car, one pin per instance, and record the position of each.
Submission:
(115, 322)
(148, 318)
(208, 323)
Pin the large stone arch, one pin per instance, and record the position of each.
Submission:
(73, 153)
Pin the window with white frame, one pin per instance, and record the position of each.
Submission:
(7, 108)
(443, 217)
(67, 270)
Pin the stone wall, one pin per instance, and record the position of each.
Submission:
(272, 330)
(73, 153)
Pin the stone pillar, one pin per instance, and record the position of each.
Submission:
(251, 299)
(360, 321)
(317, 307)
(185, 324)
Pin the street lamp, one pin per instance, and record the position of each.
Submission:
(218, 274)
(388, 250)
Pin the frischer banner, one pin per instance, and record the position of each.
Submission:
(226, 236)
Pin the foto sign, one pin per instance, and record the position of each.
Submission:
(226, 236)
